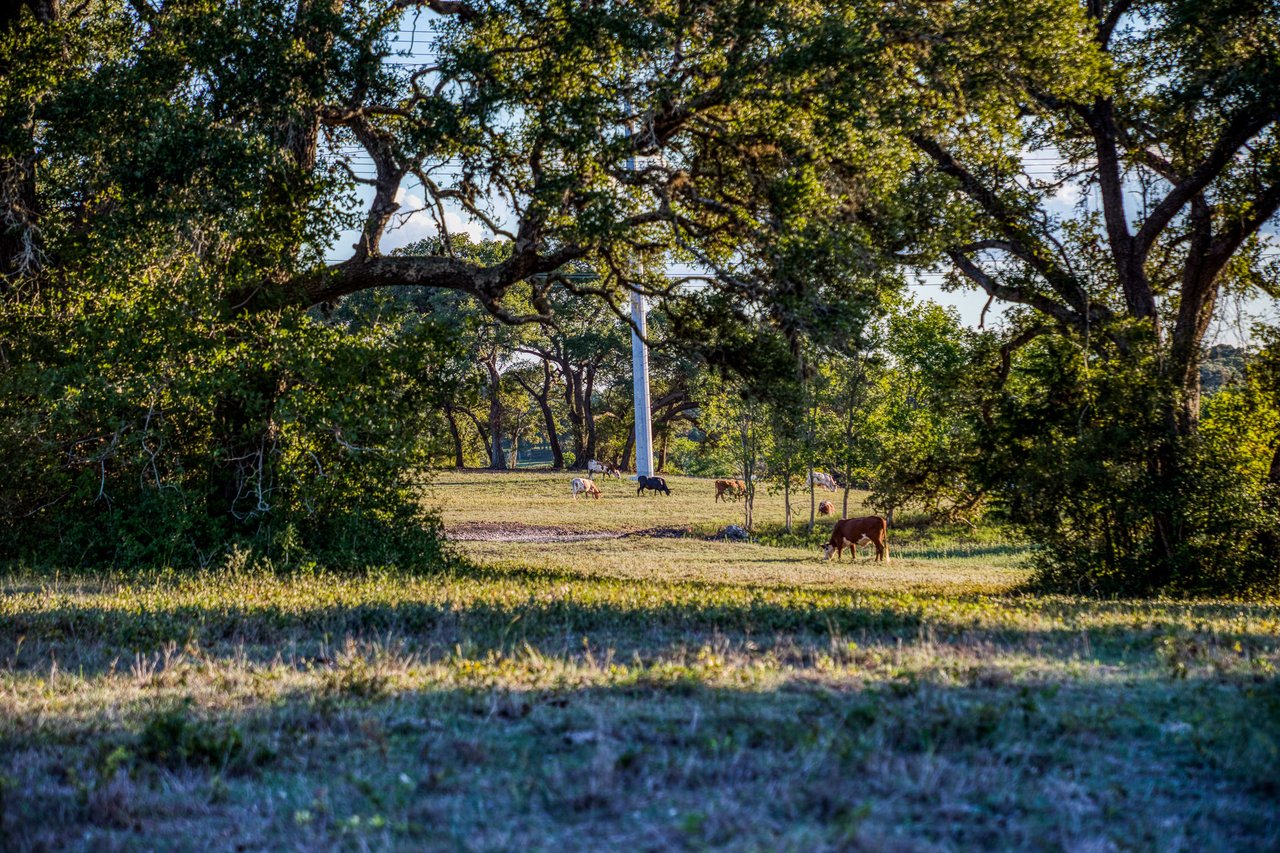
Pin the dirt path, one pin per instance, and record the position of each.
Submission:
(508, 531)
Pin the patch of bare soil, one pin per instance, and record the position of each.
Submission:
(510, 531)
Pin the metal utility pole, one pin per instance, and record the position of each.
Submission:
(640, 372)
(640, 387)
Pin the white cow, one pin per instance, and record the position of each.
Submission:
(596, 467)
(818, 478)
(581, 485)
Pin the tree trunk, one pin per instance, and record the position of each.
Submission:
(662, 452)
(19, 243)
(1195, 312)
(549, 419)
(19, 203)
(813, 503)
(579, 386)
(242, 479)
(515, 442)
(748, 470)
(482, 432)
(458, 460)
(786, 499)
(625, 463)
(497, 460)
(543, 399)
(577, 425)
(589, 416)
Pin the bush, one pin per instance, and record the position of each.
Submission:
(146, 427)
(1084, 463)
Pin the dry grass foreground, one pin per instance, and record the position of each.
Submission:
(651, 692)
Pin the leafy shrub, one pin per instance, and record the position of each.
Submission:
(1084, 463)
(147, 427)
(174, 738)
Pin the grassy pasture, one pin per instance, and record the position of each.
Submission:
(651, 691)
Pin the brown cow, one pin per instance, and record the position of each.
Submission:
(826, 508)
(723, 487)
(730, 489)
(858, 531)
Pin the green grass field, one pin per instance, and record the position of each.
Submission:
(637, 688)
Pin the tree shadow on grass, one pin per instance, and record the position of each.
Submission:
(976, 766)
(943, 552)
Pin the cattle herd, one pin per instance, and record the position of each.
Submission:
(869, 530)
(586, 486)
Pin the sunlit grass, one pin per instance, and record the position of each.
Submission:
(537, 497)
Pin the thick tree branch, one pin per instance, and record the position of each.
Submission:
(1107, 24)
(1012, 225)
(389, 173)
(462, 10)
(1014, 344)
(1129, 258)
(1234, 233)
(1238, 132)
(1019, 295)
(486, 284)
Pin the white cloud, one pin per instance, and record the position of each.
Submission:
(1067, 194)
(413, 223)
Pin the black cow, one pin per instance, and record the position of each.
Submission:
(657, 484)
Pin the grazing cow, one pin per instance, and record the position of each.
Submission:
(858, 531)
(729, 488)
(596, 467)
(656, 484)
(581, 485)
(826, 508)
(818, 478)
